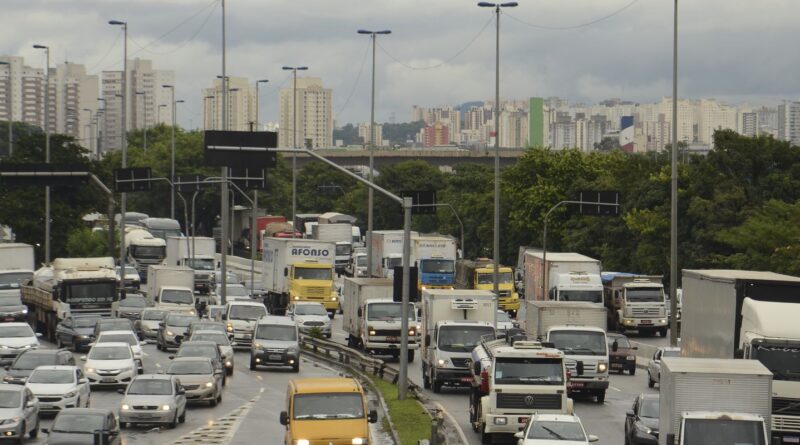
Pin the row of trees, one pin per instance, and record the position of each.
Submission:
(739, 207)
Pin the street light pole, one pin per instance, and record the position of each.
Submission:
(224, 203)
(46, 150)
(253, 223)
(370, 198)
(123, 139)
(673, 248)
(102, 134)
(172, 162)
(294, 70)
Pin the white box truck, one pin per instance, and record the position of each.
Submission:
(751, 315)
(171, 288)
(453, 323)
(341, 235)
(179, 253)
(567, 276)
(16, 267)
(372, 320)
(435, 256)
(579, 330)
(714, 401)
(387, 252)
(296, 269)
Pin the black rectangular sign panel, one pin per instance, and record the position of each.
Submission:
(248, 178)
(422, 201)
(413, 291)
(130, 180)
(600, 197)
(241, 149)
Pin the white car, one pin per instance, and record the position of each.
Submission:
(59, 387)
(15, 338)
(110, 364)
(554, 429)
(233, 292)
(309, 315)
(504, 322)
(240, 321)
(654, 366)
(126, 337)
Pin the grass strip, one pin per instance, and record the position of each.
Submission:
(411, 421)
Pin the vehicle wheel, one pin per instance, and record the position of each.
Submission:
(331, 315)
(650, 382)
(296, 367)
(473, 415)
(425, 382)
(229, 371)
(212, 402)
(328, 336)
(158, 345)
(601, 396)
(632, 371)
(219, 397)
(485, 437)
(663, 332)
(252, 364)
(437, 385)
(59, 343)
(411, 356)
(35, 431)
(174, 422)
(224, 381)
(124, 425)
(182, 418)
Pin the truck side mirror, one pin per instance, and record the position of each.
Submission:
(476, 368)
(427, 340)
(373, 416)
(579, 368)
(671, 439)
(285, 271)
(615, 346)
(284, 418)
(360, 313)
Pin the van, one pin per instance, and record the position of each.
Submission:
(275, 342)
(326, 411)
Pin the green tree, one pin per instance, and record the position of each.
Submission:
(83, 242)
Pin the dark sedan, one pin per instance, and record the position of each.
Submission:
(25, 363)
(621, 353)
(112, 324)
(76, 331)
(641, 421)
(78, 425)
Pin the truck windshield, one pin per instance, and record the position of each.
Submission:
(391, 263)
(592, 296)
(388, 311)
(200, 263)
(783, 361)
(13, 280)
(462, 338)
(361, 261)
(644, 295)
(328, 406)
(723, 432)
(488, 278)
(344, 249)
(176, 296)
(164, 233)
(579, 342)
(90, 293)
(302, 273)
(437, 266)
(529, 371)
(149, 251)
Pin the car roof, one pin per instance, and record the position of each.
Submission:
(325, 384)
(110, 344)
(649, 396)
(90, 411)
(16, 324)
(245, 303)
(191, 359)
(276, 320)
(307, 303)
(57, 367)
(557, 418)
(111, 320)
(98, 316)
(199, 342)
(153, 377)
(116, 331)
(41, 351)
(670, 348)
(207, 331)
(9, 388)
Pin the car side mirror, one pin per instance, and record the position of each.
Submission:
(519, 434)
(427, 340)
(181, 392)
(30, 404)
(38, 335)
(284, 418)
(45, 430)
(635, 348)
(83, 358)
(233, 343)
(162, 324)
(593, 438)
(172, 357)
(373, 416)
(615, 346)
(83, 381)
(121, 390)
(224, 316)
(285, 271)
(579, 368)
(629, 413)
(7, 367)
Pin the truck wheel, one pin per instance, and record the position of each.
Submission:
(632, 371)
(425, 382)
(650, 382)
(601, 396)
(411, 356)
(473, 415)
(486, 438)
(663, 332)
(252, 364)
(437, 385)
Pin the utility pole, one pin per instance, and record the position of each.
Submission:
(294, 70)
(673, 245)
(223, 213)
(46, 150)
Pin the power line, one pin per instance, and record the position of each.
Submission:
(184, 43)
(355, 84)
(581, 25)
(110, 48)
(445, 62)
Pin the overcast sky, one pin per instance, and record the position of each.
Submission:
(740, 51)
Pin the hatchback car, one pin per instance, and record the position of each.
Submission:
(641, 421)
(59, 387)
(131, 307)
(132, 279)
(29, 360)
(16, 338)
(223, 343)
(112, 324)
(654, 366)
(309, 315)
(551, 429)
(110, 364)
(172, 330)
(12, 309)
(78, 426)
(19, 413)
(125, 337)
(147, 324)
(153, 398)
(197, 377)
(621, 353)
(206, 349)
(275, 342)
(76, 332)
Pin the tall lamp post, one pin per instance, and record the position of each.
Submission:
(294, 70)
(10, 101)
(496, 243)
(144, 118)
(253, 224)
(373, 35)
(673, 245)
(46, 150)
(172, 162)
(123, 138)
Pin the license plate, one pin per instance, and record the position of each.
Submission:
(275, 357)
(9, 319)
(616, 365)
(576, 384)
(466, 379)
(792, 439)
(45, 406)
(144, 416)
(108, 380)
(392, 339)
(247, 336)
(647, 322)
(522, 420)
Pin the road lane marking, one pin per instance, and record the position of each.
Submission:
(220, 431)
(615, 388)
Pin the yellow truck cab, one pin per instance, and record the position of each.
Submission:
(326, 411)
(313, 281)
(479, 274)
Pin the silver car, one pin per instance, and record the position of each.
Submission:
(153, 399)
(147, 324)
(654, 366)
(224, 345)
(19, 412)
(197, 377)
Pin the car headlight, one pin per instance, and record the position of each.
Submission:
(228, 363)
(442, 362)
(70, 394)
(358, 441)
(293, 350)
(229, 327)
(25, 311)
(643, 429)
(301, 442)
(90, 370)
(9, 421)
(602, 367)
(209, 384)
(170, 333)
(128, 369)
(3, 346)
(412, 332)
(125, 407)
(164, 407)
(500, 420)
(662, 321)
(258, 346)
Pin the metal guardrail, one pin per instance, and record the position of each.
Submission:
(347, 356)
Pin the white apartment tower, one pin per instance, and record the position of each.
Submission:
(314, 114)
(789, 122)
(363, 133)
(241, 104)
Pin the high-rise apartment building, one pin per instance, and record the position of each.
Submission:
(377, 138)
(241, 104)
(314, 114)
(748, 123)
(434, 135)
(789, 122)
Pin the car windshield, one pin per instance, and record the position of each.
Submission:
(188, 350)
(113, 325)
(217, 337)
(32, 360)
(10, 300)
(180, 321)
(622, 342)
(782, 360)
(389, 311)
(723, 432)
(276, 332)
(246, 312)
(488, 278)
(155, 387)
(127, 337)
(14, 280)
(236, 291)
(529, 371)
(10, 399)
(78, 423)
(462, 338)
(328, 406)
(592, 296)
(154, 315)
(551, 430)
(438, 266)
(110, 353)
(190, 367)
(133, 302)
(15, 331)
(579, 342)
(503, 317)
(649, 408)
(84, 322)
(200, 263)
(177, 296)
(310, 309)
(644, 295)
(54, 376)
(305, 273)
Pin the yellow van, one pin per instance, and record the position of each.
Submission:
(326, 411)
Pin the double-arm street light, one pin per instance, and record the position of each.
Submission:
(373, 35)
(172, 143)
(46, 150)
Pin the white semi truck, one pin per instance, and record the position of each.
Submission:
(752, 315)
(143, 250)
(340, 234)
(561, 276)
(714, 401)
(196, 253)
(636, 302)
(579, 330)
(171, 288)
(372, 320)
(453, 323)
(511, 380)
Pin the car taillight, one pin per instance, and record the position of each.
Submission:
(484, 381)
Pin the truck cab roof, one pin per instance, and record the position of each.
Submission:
(572, 327)
(722, 416)
(464, 323)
